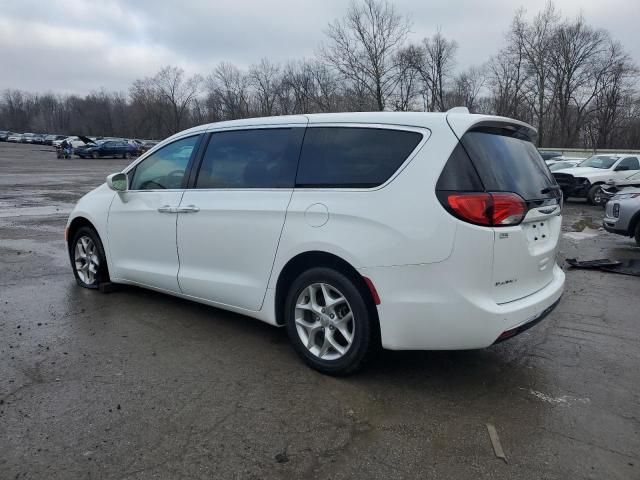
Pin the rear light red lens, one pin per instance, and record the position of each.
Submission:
(491, 209)
(508, 208)
(473, 207)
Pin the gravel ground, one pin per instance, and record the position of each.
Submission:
(135, 384)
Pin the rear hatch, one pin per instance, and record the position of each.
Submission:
(512, 173)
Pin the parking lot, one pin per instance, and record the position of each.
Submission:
(134, 384)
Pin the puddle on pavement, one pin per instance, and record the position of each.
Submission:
(585, 223)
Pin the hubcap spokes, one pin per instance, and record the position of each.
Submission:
(324, 321)
(86, 260)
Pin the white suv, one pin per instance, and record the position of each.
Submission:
(353, 230)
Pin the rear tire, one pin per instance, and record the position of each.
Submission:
(95, 155)
(594, 196)
(328, 322)
(637, 234)
(88, 260)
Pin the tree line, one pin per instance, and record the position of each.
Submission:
(574, 82)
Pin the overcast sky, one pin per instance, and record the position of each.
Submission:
(76, 46)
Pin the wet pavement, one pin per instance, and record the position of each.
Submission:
(135, 384)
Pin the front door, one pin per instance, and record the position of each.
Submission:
(232, 219)
(142, 220)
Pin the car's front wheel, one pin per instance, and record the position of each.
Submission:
(95, 155)
(88, 259)
(637, 233)
(328, 322)
(594, 196)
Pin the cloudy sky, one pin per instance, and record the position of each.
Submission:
(76, 46)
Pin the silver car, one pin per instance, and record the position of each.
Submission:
(622, 214)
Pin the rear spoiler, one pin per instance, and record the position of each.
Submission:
(461, 121)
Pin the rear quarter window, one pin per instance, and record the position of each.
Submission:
(353, 157)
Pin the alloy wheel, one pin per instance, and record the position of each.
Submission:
(324, 321)
(87, 260)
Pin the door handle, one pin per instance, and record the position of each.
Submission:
(168, 209)
(188, 209)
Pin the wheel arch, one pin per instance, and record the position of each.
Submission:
(634, 223)
(316, 258)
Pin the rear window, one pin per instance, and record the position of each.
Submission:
(507, 162)
(353, 157)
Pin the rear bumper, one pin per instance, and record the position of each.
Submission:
(422, 308)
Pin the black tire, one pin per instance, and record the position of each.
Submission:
(364, 342)
(127, 155)
(102, 274)
(95, 155)
(593, 194)
(636, 236)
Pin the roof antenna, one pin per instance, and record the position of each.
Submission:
(458, 110)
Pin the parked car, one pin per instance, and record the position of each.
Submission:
(564, 164)
(49, 139)
(585, 180)
(350, 229)
(549, 155)
(28, 137)
(147, 145)
(622, 214)
(15, 138)
(562, 158)
(76, 141)
(38, 139)
(612, 187)
(4, 134)
(106, 148)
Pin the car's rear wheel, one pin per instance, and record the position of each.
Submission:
(637, 233)
(95, 155)
(328, 322)
(88, 259)
(595, 195)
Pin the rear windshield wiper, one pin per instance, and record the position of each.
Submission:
(550, 189)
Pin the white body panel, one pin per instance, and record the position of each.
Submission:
(142, 241)
(227, 248)
(434, 273)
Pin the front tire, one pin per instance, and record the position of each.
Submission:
(88, 260)
(595, 195)
(637, 233)
(95, 155)
(328, 322)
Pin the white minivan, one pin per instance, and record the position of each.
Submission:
(352, 230)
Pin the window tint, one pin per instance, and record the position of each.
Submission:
(164, 168)
(352, 157)
(459, 174)
(631, 162)
(264, 158)
(508, 163)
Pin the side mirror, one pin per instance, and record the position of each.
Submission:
(621, 168)
(118, 182)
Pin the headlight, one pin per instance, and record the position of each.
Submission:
(624, 196)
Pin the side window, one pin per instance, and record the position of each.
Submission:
(261, 158)
(352, 156)
(165, 168)
(631, 162)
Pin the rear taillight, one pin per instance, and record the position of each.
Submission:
(490, 209)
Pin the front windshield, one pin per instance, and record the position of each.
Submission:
(600, 161)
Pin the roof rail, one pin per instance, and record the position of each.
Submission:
(458, 110)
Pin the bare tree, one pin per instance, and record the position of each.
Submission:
(265, 79)
(535, 41)
(363, 47)
(228, 88)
